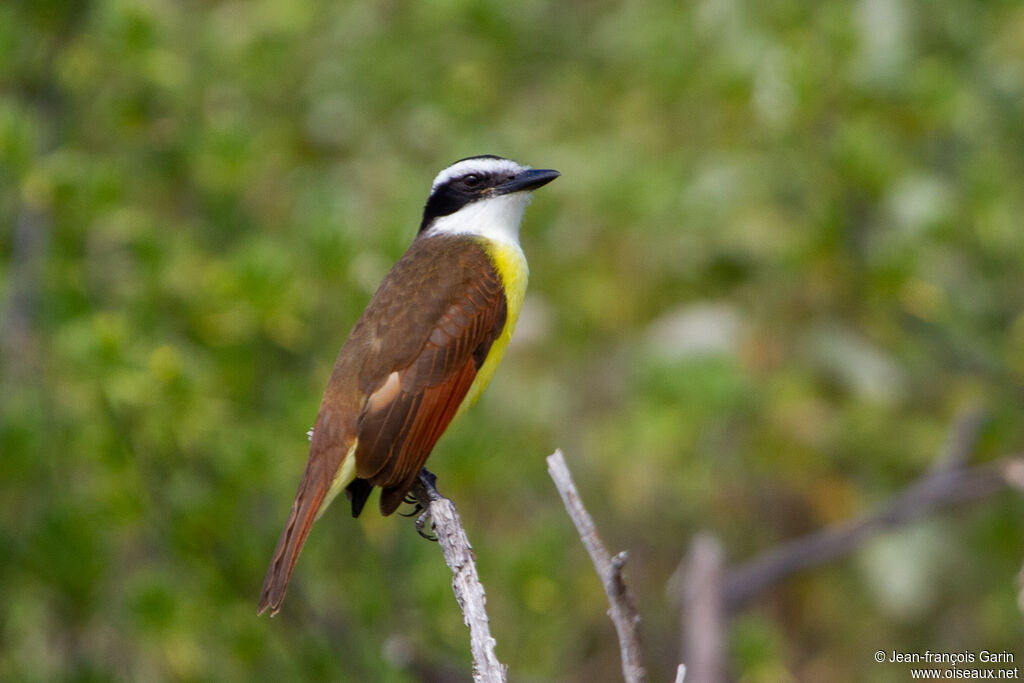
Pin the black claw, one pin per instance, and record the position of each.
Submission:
(421, 522)
(417, 509)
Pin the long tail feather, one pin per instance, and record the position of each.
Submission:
(304, 511)
(330, 469)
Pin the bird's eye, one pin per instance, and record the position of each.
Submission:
(471, 180)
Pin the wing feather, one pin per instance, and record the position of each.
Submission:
(397, 435)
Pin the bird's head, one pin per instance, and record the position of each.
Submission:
(481, 189)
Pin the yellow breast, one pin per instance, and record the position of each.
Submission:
(510, 262)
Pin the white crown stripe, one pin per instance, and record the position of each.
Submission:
(481, 166)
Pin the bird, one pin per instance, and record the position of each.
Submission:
(427, 344)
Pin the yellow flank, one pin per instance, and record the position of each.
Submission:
(511, 264)
(346, 474)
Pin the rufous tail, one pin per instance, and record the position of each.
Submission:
(304, 511)
(330, 469)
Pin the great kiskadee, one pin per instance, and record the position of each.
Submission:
(423, 350)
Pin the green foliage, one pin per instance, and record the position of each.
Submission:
(197, 199)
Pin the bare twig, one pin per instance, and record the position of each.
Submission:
(469, 592)
(703, 613)
(949, 482)
(623, 611)
(960, 441)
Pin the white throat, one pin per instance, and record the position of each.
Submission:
(493, 218)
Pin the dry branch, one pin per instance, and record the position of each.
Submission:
(703, 615)
(949, 482)
(623, 611)
(469, 592)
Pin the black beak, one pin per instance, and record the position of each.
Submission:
(527, 180)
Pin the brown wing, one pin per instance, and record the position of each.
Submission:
(406, 415)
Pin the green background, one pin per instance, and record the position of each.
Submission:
(785, 251)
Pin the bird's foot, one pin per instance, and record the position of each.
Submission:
(429, 482)
(421, 523)
(424, 490)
